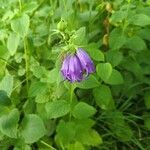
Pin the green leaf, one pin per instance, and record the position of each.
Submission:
(36, 88)
(83, 125)
(42, 97)
(79, 38)
(83, 110)
(4, 55)
(140, 20)
(76, 146)
(118, 16)
(8, 15)
(21, 25)
(133, 66)
(65, 132)
(104, 70)
(39, 71)
(144, 33)
(147, 121)
(26, 147)
(57, 109)
(115, 78)
(7, 84)
(117, 39)
(9, 123)
(1, 136)
(90, 137)
(32, 128)
(29, 106)
(143, 58)
(94, 52)
(89, 83)
(30, 6)
(2, 69)
(4, 99)
(147, 99)
(103, 97)
(114, 57)
(53, 75)
(97, 55)
(135, 43)
(12, 43)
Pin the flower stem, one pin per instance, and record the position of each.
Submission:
(62, 146)
(64, 2)
(26, 61)
(71, 98)
(46, 144)
(20, 5)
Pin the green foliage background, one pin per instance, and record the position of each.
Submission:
(109, 110)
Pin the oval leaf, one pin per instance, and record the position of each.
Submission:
(9, 123)
(12, 43)
(89, 83)
(103, 97)
(32, 128)
(21, 25)
(115, 78)
(57, 109)
(83, 110)
(7, 84)
(104, 70)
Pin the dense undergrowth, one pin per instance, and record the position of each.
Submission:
(107, 111)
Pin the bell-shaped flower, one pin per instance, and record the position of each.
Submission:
(77, 66)
(86, 62)
(72, 69)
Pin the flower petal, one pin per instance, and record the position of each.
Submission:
(86, 62)
(65, 66)
(75, 69)
(72, 69)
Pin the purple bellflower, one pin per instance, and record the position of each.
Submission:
(72, 69)
(76, 65)
(86, 62)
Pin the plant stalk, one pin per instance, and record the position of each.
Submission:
(71, 98)
(26, 62)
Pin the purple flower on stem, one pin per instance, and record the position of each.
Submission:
(74, 66)
(86, 62)
(72, 69)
